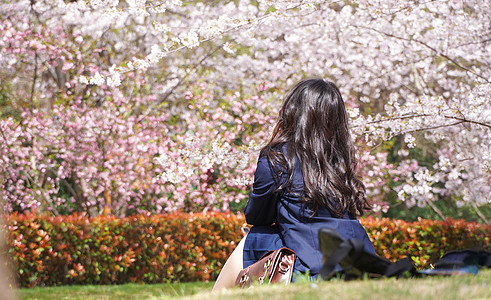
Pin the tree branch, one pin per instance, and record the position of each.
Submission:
(427, 46)
(44, 197)
(70, 189)
(436, 210)
(35, 76)
(461, 120)
(479, 213)
(149, 109)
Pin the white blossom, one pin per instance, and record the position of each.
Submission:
(190, 39)
(83, 79)
(409, 140)
(97, 79)
(229, 48)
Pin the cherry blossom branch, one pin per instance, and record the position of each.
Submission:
(461, 120)
(97, 79)
(434, 127)
(188, 72)
(427, 46)
(403, 8)
(418, 130)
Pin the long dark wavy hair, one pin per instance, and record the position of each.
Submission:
(313, 124)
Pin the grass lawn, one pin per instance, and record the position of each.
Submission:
(125, 291)
(453, 287)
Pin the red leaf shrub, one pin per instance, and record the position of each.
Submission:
(425, 240)
(77, 249)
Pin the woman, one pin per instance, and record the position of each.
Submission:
(305, 180)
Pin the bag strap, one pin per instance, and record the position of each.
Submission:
(266, 254)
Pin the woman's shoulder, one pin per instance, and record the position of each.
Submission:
(270, 168)
(272, 162)
(276, 153)
(264, 165)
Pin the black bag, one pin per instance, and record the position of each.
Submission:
(462, 258)
(460, 262)
(354, 260)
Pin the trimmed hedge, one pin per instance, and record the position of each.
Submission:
(107, 250)
(75, 249)
(425, 240)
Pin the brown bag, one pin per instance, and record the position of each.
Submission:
(274, 266)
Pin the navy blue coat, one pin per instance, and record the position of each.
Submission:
(296, 225)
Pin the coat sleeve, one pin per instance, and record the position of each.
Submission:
(261, 207)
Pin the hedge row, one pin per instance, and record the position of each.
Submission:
(76, 249)
(425, 240)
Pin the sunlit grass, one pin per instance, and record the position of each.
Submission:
(453, 287)
(125, 291)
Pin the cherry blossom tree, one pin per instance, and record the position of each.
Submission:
(417, 70)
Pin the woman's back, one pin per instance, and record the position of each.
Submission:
(305, 180)
(297, 225)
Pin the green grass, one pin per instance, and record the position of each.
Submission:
(125, 291)
(453, 287)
